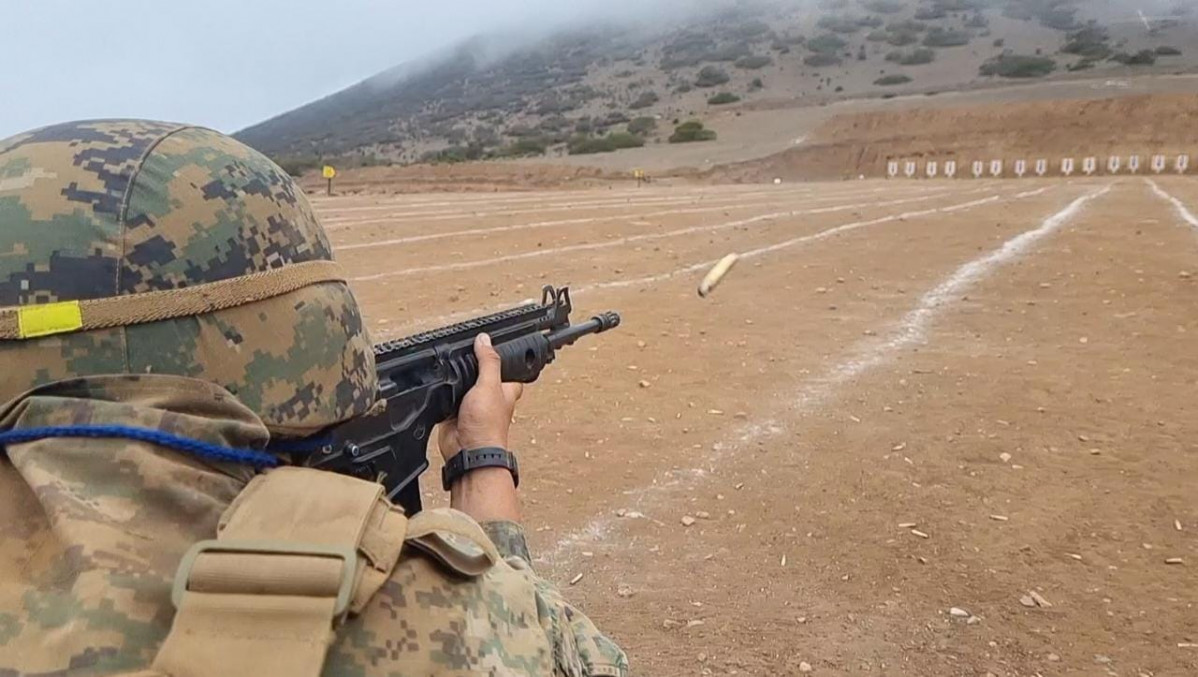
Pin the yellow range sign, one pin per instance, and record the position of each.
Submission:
(328, 172)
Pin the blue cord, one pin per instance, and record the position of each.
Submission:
(207, 450)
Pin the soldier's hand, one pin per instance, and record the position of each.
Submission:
(486, 413)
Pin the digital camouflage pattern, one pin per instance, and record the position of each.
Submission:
(92, 530)
(107, 208)
(91, 533)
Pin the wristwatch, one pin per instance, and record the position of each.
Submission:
(475, 459)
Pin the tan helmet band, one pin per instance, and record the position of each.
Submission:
(27, 322)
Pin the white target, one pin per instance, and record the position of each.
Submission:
(950, 168)
(1158, 163)
(932, 169)
(1090, 165)
(909, 170)
(1020, 168)
(979, 168)
(1182, 164)
(1067, 166)
(996, 168)
(892, 168)
(1133, 164)
(1114, 163)
(1041, 167)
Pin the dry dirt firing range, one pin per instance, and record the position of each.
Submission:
(922, 428)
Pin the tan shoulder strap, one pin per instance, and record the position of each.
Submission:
(296, 551)
(454, 540)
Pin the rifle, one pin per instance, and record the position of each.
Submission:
(423, 378)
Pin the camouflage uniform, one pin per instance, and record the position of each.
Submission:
(92, 530)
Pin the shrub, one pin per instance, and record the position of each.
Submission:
(891, 80)
(690, 132)
(642, 126)
(723, 98)
(839, 24)
(959, 5)
(940, 37)
(826, 44)
(1018, 66)
(878, 36)
(756, 84)
(645, 100)
(883, 6)
(727, 53)
(1144, 57)
(711, 76)
(453, 154)
(908, 26)
(821, 59)
(753, 62)
(297, 165)
(1060, 17)
(978, 20)
(1090, 42)
(1165, 50)
(584, 145)
(902, 38)
(525, 147)
(930, 13)
(914, 57)
(616, 118)
(683, 88)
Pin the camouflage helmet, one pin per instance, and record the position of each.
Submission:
(131, 246)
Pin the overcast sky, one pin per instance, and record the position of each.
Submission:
(229, 63)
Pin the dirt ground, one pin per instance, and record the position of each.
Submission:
(850, 145)
(907, 398)
(796, 140)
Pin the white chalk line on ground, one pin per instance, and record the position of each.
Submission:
(533, 197)
(910, 330)
(1183, 212)
(402, 212)
(594, 219)
(401, 216)
(458, 316)
(630, 239)
(803, 239)
(405, 218)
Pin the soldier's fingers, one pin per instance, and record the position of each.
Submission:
(489, 372)
(512, 392)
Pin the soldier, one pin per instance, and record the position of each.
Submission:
(169, 306)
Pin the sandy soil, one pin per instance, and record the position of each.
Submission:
(1006, 368)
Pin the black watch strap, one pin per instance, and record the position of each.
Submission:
(475, 459)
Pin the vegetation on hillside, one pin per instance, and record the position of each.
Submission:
(913, 57)
(690, 132)
(589, 145)
(572, 92)
(1019, 66)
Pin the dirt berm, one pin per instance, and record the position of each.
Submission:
(851, 145)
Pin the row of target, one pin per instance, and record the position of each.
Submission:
(1068, 166)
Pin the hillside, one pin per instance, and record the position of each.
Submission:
(610, 87)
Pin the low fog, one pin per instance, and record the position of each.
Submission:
(228, 64)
